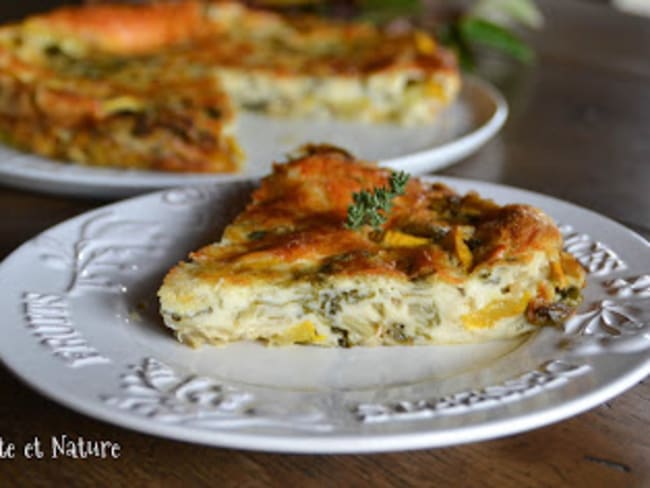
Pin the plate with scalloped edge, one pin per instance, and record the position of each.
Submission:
(82, 327)
(476, 116)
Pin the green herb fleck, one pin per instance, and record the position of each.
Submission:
(213, 112)
(256, 235)
(571, 296)
(372, 207)
(344, 339)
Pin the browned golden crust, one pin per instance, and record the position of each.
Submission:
(297, 217)
(191, 140)
(341, 48)
(128, 29)
(73, 122)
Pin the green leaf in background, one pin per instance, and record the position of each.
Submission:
(508, 12)
(449, 35)
(480, 31)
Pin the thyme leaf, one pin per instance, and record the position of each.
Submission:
(372, 207)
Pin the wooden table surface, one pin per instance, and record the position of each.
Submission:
(579, 130)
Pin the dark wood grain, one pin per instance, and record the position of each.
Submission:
(579, 130)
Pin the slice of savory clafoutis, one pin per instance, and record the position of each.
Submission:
(107, 85)
(156, 86)
(338, 252)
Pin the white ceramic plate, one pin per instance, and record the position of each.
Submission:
(80, 325)
(477, 115)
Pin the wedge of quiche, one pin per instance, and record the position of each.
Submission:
(443, 268)
(106, 86)
(157, 86)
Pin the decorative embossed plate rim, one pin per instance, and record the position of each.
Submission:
(74, 330)
(478, 115)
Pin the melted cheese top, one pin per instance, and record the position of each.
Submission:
(229, 35)
(295, 226)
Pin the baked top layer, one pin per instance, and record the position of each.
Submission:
(156, 86)
(443, 268)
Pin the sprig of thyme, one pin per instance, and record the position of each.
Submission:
(372, 207)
